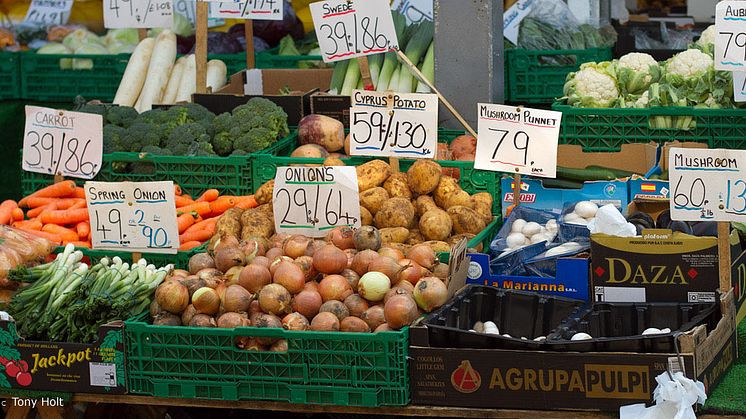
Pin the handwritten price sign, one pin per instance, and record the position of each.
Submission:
(517, 140)
(133, 216)
(415, 11)
(138, 13)
(62, 142)
(251, 9)
(48, 12)
(398, 124)
(313, 200)
(349, 29)
(707, 185)
(730, 42)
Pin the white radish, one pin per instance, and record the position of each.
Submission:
(216, 75)
(169, 97)
(134, 75)
(188, 84)
(161, 62)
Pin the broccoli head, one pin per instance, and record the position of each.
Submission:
(122, 116)
(113, 139)
(252, 141)
(222, 122)
(158, 151)
(222, 143)
(140, 135)
(182, 137)
(201, 148)
(238, 153)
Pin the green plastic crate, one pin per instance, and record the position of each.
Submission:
(471, 180)
(348, 369)
(528, 80)
(10, 82)
(230, 175)
(608, 129)
(43, 79)
(271, 59)
(180, 260)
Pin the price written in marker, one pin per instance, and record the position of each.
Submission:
(517, 140)
(251, 9)
(313, 200)
(138, 13)
(707, 185)
(349, 29)
(48, 12)
(396, 125)
(730, 42)
(133, 216)
(62, 142)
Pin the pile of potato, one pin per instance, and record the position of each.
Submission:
(250, 223)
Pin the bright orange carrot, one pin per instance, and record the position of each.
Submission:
(187, 196)
(221, 205)
(209, 195)
(177, 190)
(246, 202)
(65, 217)
(32, 213)
(199, 235)
(83, 229)
(66, 233)
(51, 237)
(201, 208)
(79, 192)
(62, 189)
(28, 225)
(208, 224)
(80, 204)
(180, 201)
(6, 211)
(190, 245)
(79, 243)
(62, 203)
(184, 221)
(17, 214)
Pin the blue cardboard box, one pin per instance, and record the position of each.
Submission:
(648, 190)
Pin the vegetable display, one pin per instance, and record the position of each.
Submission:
(18, 248)
(84, 42)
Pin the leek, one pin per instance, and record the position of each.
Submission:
(387, 71)
(375, 62)
(338, 77)
(416, 49)
(352, 76)
(427, 69)
(394, 83)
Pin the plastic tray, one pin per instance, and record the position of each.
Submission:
(517, 313)
(180, 260)
(528, 80)
(10, 68)
(618, 327)
(608, 129)
(348, 369)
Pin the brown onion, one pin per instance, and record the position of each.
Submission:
(290, 276)
(206, 300)
(314, 246)
(361, 261)
(231, 320)
(329, 260)
(200, 261)
(430, 293)
(252, 248)
(267, 320)
(354, 324)
(236, 299)
(279, 240)
(367, 238)
(233, 274)
(325, 322)
(395, 254)
(254, 310)
(254, 277)
(249, 344)
(228, 257)
(424, 255)
(356, 305)
(276, 262)
(186, 316)
(261, 261)
(211, 276)
(412, 271)
(274, 299)
(172, 296)
(396, 291)
(383, 328)
(180, 272)
(386, 266)
(334, 287)
(154, 308)
(400, 311)
(352, 278)
(295, 321)
(279, 346)
(193, 283)
(274, 253)
(350, 255)
(343, 237)
(336, 307)
(202, 320)
(225, 241)
(165, 318)
(374, 316)
(306, 265)
(307, 303)
(311, 285)
(220, 289)
(296, 246)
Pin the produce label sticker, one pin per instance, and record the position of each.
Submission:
(57, 142)
(313, 200)
(517, 140)
(133, 216)
(512, 19)
(395, 125)
(356, 28)
(415, 11)
(138, 14)
(707, 185)
(48, 12)
(251, 9)
(739, 86)
(730, 41)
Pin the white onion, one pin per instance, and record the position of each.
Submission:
(373, 286)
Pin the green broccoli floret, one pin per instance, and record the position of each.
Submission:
(198, 113)
(94, 108)
(184, 136)
(254, 140)
(238, 153)
(122, 116)
(140, 135)
(222, 143)
(158, 151)
(113, 139)
(201, 148)
(222, 122)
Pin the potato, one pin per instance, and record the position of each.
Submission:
(372, 199)
(322, 130)
(415, 237)
(265, 192)
(466, 220)
(423, 176)
(459, 197)
(366, 218)
(404, 248)
(228, 226)
(333, 161)
(436, 224)
(267, 210)
(423, 204)
(396, 186)
(482, 208)
(372, 174)
(455, 239)
(438, 246)
(394, 235)
(257, 225)
(446, 187)
(234, 213)
(396, 212)
(483, 197)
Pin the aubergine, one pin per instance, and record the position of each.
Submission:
(705, 228)
(642, 219)
(664, 220)
(681, 226)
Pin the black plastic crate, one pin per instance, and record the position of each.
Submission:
(519, 314)
(618, 327)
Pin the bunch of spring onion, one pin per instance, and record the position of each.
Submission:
(67, 301)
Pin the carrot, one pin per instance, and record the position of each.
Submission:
(208, 224)
(80, 204)
(17, 214)
(62, 189)
(79, 192)
(83, 229)
(246, 202)
(201, 208)
(65, 217)
(180, 201)
(38, 210)
(6, 211)
(66, 233)
(177, 190)
(209, 195)
(221, 205)
(62, 203)
(49, 236)
(28, 225)
(199, 235)
(187, 196)
(184, 221)
(79, 243)
(190, 245)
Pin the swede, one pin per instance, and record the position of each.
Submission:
(134, 75)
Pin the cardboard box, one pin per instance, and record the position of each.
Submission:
(297, 104)
(333, 106)
(660, 266)
(496, 378)
(571, 281)
(638, 158)
(97, 367)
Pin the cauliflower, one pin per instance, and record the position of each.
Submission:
(643, 100)
(635, 72)
(594, 86)
(689, 64)
(707, 37)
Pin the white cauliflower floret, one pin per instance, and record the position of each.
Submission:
(643, 100)
(592, 87)
(708, 36)
(638, 61)
(690, 63)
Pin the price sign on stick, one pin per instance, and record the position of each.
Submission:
(62, 142)
(138, 13)
(48, 12)
(133, 216)
(313, 200)
(251, 9)
(415, 11)
(730, 41)
(707, 185)
(396, 124)
(517, 140)
(356, 28)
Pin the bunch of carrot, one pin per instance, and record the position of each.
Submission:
(58, 212)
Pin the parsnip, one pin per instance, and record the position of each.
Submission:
(159, 69)
(169, 97)
(216, 74)
(134, 75)
(188, 84)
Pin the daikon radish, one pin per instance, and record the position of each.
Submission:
(161, 62)
(169, 97)
(134, 75)
(216, 74)
(188, 84)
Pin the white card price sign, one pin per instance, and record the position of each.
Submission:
(250, 9)
(313, 200)
(517, 140)
(730, 41)
(356, 28)
(62, 142)
(739, 86)
(138, 13)
(133, 216)
(414, 11)
(396, 125)
(707, 185)
(48, 12)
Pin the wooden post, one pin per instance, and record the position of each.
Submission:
(724, 261)
(248, 26)
(200, 48)
(142, 33)
(516, 189)
(362, 62)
